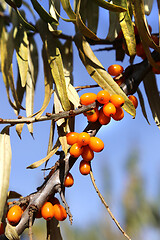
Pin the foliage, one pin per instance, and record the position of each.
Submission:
(18, 35)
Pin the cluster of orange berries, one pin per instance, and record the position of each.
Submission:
(50, 209)
(82, 144)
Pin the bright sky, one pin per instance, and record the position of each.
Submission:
(119, 138)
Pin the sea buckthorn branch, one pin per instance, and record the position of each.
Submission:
(134, 74)
(49, 116)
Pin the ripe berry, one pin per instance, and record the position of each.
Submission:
(1, 228)
(134, 100)
(117, 100)
(103, 97)
(69, 181)
(155, 39)
(87, 154)
(84, 167)
(109, 109)
(59, 212)
(103, 119)
(94, 116)
(72, 137)
(14, 214)
(115, 69)
(83, 139)
(47, 211)
(119, 114)
(76, 150)
(96, 144)
(88, 98)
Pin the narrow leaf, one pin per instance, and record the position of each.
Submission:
(148, 6)
(67, 8)
(92, 15)
(19, 128)
(50, 154)
(141, 23)
(153, 97)
(48, 83)
(23, 21)
(110, 6)
(141, 100)
(127, 28)
(5, 166)
(13, 194)
(81, 26)
(114, 26)
(62, 131)
(43, 14)
(98, 72)
(21, 45)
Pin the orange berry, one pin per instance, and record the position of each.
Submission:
(115, 69)
(134, 100)
(120, 35)
(47, 211)
(96, 144)
(1, 228)
(103, 97)
(103, 119)
(155, 39)
(150, 28)
(54, 200)
(109, 109)
(14, 214)
(69, 181)
(59, 212)
(87, 154)
(84, 167)
(155, 70)
(76, 150)
(83, 138)
(88, 98)
(72, 137)
(119, 114)
(120, 80)
(94, 116)
(117, 100)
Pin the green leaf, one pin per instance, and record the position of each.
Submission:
(49, 155)
(43, 14)
(67, 8)
(99, 74)
(127, 28)
(21, 46)
(62, 131)
(110, 6)
(114, 26)
(153, 97)
(23, 21)
(5, 166)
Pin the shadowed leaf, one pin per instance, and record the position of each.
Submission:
(67, 8)
(141, 100)
(110, 6)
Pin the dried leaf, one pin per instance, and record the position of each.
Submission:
(110, 6)
(21, 46)
(58, 108)
(114, 26)
(99, 74)
(153, 97)
(5, 166)
(73, 96)
(49, 155)
(19, 128)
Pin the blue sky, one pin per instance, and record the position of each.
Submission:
(119, 138)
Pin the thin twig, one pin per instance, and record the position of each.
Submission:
(86, 86)
(107, 207)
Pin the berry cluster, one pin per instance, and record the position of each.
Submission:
(82, 144)
(50, 209)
